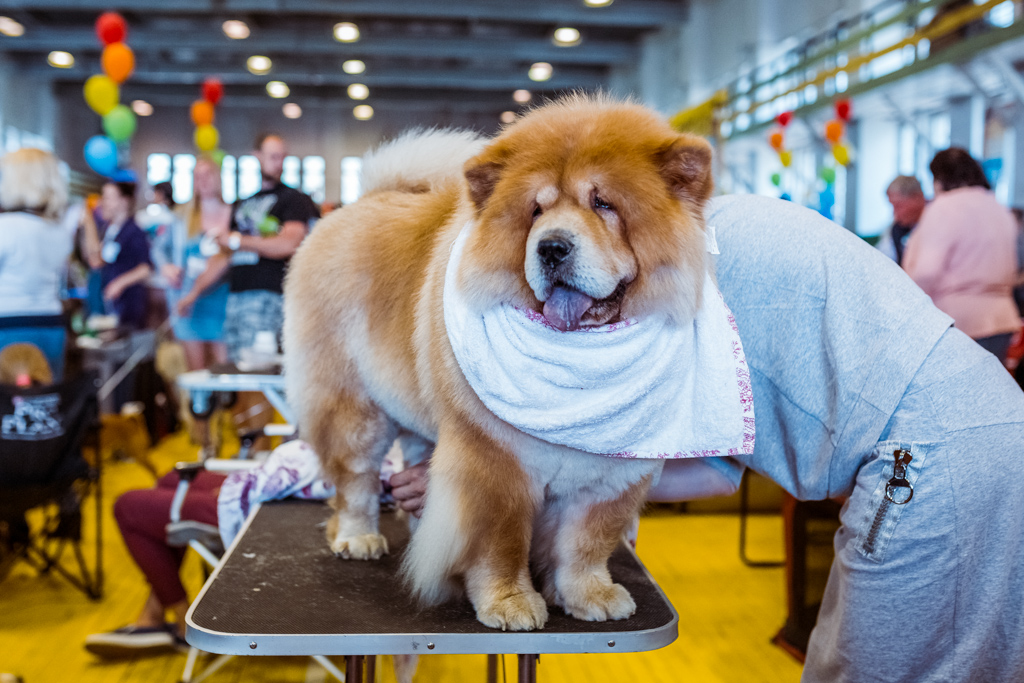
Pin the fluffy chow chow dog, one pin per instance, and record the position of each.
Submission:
(585, 211)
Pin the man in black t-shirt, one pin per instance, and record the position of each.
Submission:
(266, 229)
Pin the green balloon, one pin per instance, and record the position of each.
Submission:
(119, 123)
(217, 156)
(828, 174)
(776, 179)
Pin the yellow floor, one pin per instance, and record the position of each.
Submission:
(727, 612)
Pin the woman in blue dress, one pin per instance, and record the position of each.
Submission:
(198, 318)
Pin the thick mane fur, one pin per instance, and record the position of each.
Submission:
(419, 160)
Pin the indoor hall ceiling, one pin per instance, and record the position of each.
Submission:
(436, 56)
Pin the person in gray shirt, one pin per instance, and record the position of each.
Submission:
(863, 391)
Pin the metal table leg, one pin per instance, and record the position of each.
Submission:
(371, 668)
(527, 668)
(354, 669)
(492, 668)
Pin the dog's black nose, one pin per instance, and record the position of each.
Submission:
(553, 251)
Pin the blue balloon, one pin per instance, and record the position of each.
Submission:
(785, 196)
(101, 155)
(124, 175)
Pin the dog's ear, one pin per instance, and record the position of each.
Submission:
(686, 167)
(482, 174)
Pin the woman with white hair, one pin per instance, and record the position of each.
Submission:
(34, 250)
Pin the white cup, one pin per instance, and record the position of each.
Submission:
(265, 342)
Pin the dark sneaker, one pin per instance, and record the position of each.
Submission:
(133, 640)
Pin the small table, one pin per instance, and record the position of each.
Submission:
(280, 591)
(201, 384)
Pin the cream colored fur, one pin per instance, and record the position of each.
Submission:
(367, 355)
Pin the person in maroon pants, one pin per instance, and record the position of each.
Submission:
(143, 516)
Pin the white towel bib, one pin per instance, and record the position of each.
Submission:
(635, 389)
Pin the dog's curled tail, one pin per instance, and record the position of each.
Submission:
(419, 160)
(437, 547)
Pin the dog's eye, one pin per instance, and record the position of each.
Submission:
(600, 203)
(536, 212)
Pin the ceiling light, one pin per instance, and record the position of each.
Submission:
(353, 66)
(566, 37)
(358, 91)
(292, 110)
(278, 89)
(597, 3)
(508, 116)
(540, 71)
(61, 60)
(235, 29)
(142, 107)
(258, 64)
(363, 112)
(522, 96)
(346, 32)
(9, 27)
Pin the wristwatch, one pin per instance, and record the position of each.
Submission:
(234, 241)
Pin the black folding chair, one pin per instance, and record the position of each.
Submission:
(42, 433)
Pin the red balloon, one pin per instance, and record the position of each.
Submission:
(843, 109)
(784, 118)
(213, 90)
(111, 28)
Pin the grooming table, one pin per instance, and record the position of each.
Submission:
(201, 384)
(280, 591)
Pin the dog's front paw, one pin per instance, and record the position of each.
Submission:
(524, 611)
(599, 602)
(361, 547)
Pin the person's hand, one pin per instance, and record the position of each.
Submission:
(173, 274)
(113, 290)
(409, 488)
(185, 304)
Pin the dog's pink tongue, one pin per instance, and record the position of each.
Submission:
(565, 307)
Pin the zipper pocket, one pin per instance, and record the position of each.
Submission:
(898, 491)
(876, 526)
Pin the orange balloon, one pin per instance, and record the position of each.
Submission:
(118, 61)
(834, 131)
(776, 141)
(202, 113)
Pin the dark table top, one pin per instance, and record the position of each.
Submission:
(281, 589)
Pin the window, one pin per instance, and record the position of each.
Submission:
(229, 179)
(313, 182)
(249, 179)
(181, 177)
(158, 168)
(290, 174)
(351, 168)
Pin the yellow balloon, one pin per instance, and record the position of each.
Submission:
(841, 154)
(101, 94)
(786, 157)
(207, 138)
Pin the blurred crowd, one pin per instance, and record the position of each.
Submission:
(204, 276)
(964, 249)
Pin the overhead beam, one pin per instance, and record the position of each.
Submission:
(646, 14)
(83, 40)
(454, 79)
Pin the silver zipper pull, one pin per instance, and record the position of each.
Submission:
(899, 490)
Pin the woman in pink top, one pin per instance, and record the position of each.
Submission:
(963, 252)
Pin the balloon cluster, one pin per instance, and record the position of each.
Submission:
(836, 129)
(102, 94)
(203, 112)
(778, 140)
